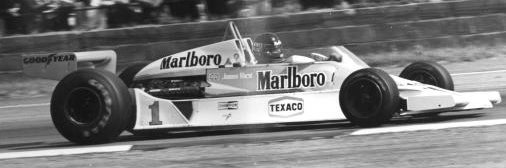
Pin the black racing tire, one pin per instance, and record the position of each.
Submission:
(90, 106)
(428, 73)
(369, 97)
(127, 75)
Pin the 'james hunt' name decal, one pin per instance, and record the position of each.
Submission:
(268, 81)
(191, 60)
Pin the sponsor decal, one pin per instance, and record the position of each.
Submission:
(241, 75)
(214, 76)
(49, 59)
(286, 107)
(245, 75)
(230, 105)
(191, 60)
(267, 81)
(229, 76)
(227, 116)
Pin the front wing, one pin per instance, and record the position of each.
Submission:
(421, 98)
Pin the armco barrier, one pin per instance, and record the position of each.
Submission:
(445, 41)
(403, 25)
(10, 62)
(38, 43)
(141, 53)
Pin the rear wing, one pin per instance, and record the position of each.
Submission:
(57, 65)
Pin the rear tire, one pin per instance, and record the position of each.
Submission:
(369, 97)
(90, 106)
(127, 75)
(430, 73)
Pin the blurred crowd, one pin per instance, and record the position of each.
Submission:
(37, 16)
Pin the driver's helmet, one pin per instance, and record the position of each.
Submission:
(268, 48)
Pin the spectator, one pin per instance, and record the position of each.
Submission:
(2, 27)
(247, 8)
(183, 10)
(5, 5)
(150, 10)
(119, 14)
(264, 7)
(56, 14)
(285, 6)
(96, 16)
(309, 4)
(218, 9)
(80, 14)
(353, 1)
(18, 16)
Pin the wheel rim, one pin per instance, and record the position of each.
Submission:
(423, 77)
(83, 106)
(365, 98)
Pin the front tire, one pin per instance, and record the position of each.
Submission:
(90, 106)
(428, 73)
(369, 97)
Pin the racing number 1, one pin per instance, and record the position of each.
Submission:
(155, 114)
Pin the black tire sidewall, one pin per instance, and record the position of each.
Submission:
(443, 77)
(114, 96)
(127, 75)
(389, 97)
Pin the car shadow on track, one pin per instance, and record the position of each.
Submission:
(236, 130)
(37, 145)
(433, 119)
(251, 134)
(20, 145)
(195, 133)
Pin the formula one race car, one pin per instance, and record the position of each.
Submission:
(222, 84)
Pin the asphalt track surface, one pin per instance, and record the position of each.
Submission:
(25, 125)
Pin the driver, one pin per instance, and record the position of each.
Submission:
(268, 48)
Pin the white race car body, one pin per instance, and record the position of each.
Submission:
(238, 91)
(155, 113)
(245, 101)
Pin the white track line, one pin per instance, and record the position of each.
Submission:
(476, 73)
(429, 127)
(24, 105)
(67, 151)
